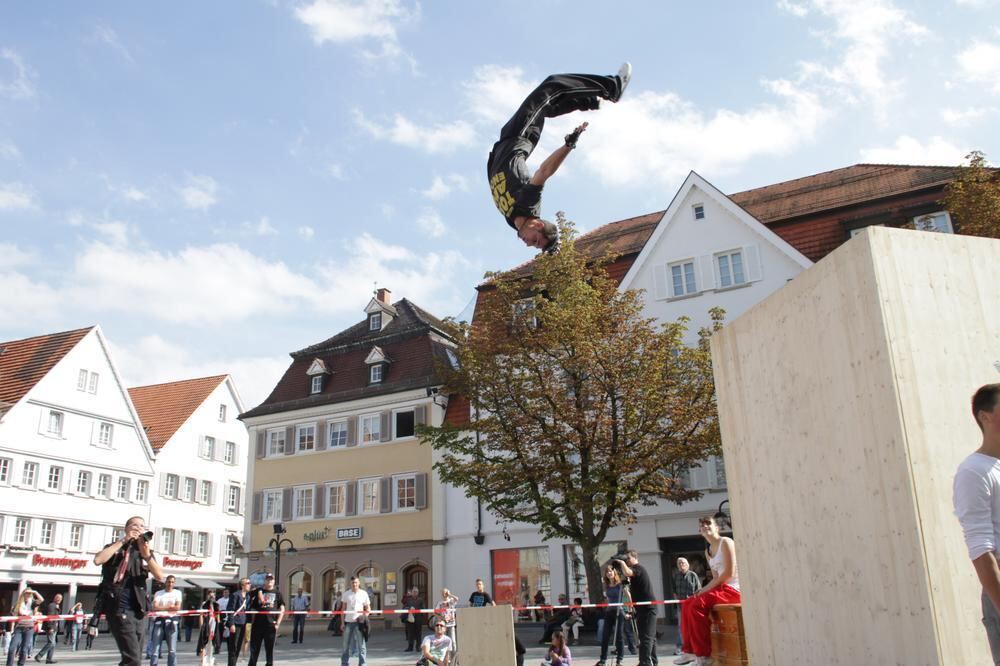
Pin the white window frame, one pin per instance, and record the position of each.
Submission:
(141, 491)
(6, 464)
(31, 482)
(222, 413)
(47, 533)
(81, 476)
(375, 484)
(720, 277)
(315, 384)
(696, 209)
(56, 422)
(946, 228)
(190, 489)
(205, 493)
(22, 525)
(298, 492)
(686, 289)
(299, 431)
(341, 430)
(229, 548)
(105, 480)
(395, 492)
(395, 415)
(229, 453)
(375, 373)
(365, 433)
(75, 537)
(375, 321)
(273, 437)
(233, 499)
(207, 449)
(201, 544)
(58, 478)
(105, 434)
(81, 380)
(92, 383)
(184, 543)
(271, 505)
(123, 490)
(173, 488)
(341, 488)
(167, 539)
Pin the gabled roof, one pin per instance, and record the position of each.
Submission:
(163, 408)
(23, 363)
(838, 188)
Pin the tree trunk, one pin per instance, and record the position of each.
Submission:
(595, 584)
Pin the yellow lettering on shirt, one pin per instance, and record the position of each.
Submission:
(501, 197)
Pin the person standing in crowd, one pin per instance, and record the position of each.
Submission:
(480, 597)
(357, 605)
(223, 631)
(76, 626)
(165, 628)
(645, 615)
(436, 649)
(446, 609)
(236, 621)
(413, 620)
(723, 589)
(208, 623)
(976, 497)
(22, 639)
(125, 566)
(300, 604)
(190, 622)
(686, 585)
(558, 653)
(270, 607)
(50, 627)
(540, 614)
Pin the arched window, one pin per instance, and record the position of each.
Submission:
(334, 585)
(371, 582)
(299, 579)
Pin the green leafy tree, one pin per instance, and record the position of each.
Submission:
(973, 198)
(582, 410)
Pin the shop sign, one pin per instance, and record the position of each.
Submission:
(182, 564)
(66, 562)
(317, 535)
(349, 532)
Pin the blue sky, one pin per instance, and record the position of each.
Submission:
(220, 183)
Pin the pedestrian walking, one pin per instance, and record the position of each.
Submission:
(50, 629)
(22, 638)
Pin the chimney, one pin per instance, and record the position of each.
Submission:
(384, 296)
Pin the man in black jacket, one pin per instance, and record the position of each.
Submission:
(236, 620)
(51, 629)
(645, 615)
(125, 566)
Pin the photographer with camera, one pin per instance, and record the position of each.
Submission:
(645, 616)
(125, 566)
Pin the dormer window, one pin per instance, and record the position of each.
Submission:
(375, 374)
(316, 385)
(376, 362)
(375, 321)
(317, 373)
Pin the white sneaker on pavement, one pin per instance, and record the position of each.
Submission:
(685, 659)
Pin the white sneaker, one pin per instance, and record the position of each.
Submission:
(625, 75)
(685, 659)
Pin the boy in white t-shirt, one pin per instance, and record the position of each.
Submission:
(436, 649)
(356, 605)
(977, 505)
(165, 627)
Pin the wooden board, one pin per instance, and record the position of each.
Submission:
(486, 635)
(844, 406)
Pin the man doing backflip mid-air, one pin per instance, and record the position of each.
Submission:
(517, 194)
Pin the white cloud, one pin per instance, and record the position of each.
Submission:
(430, 223)
(261, 228)
(794, 8)
(441, 138)
(17, 79)
(11, 256)
(335, 171)
(495, 92)
(8, 151)
(307, 232)
(976, 4)
(116, 233)
(343, 21)
(966, 116)
(980, 63)
(16, 196)
(908, 150)
(107, 35)
(441, 187)
(199, 193)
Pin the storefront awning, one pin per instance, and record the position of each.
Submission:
(180, 582)
(205, 584)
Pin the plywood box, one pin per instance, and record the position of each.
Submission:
(844, 401)
(486, 635)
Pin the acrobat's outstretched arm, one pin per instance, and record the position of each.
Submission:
(558, 156)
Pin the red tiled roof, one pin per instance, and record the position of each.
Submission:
(838, 188)
(23, 363)
(458, 412)
(163, 408)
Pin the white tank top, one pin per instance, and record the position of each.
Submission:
(717, 565)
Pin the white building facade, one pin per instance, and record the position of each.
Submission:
(74, 463)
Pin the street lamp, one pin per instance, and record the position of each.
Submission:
(275, 545)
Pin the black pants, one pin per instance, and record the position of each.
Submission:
(298, 627)
(413, 632)
(237, 634)
(645, 619)
(127, 630)
(614, 627)
(262, 632)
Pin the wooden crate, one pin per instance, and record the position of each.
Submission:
(729, 645)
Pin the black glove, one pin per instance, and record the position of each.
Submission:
(572, 138)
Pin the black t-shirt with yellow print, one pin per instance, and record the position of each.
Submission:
(512, 192)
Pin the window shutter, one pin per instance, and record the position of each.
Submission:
(351, 508)
(661, 281)
(219, 450)
(287, 495)
(258, 507)
(290, 443)
(706, 273)
(320, 495)
(211, 493)
(420, 415)
(751, 263)
(163, 484)
(261, 444)
(239, 501)
(236, 453)
(386, 427)
(352, 431)
(421, 491)
(385, 494)
(208, 544)
(321, 436)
